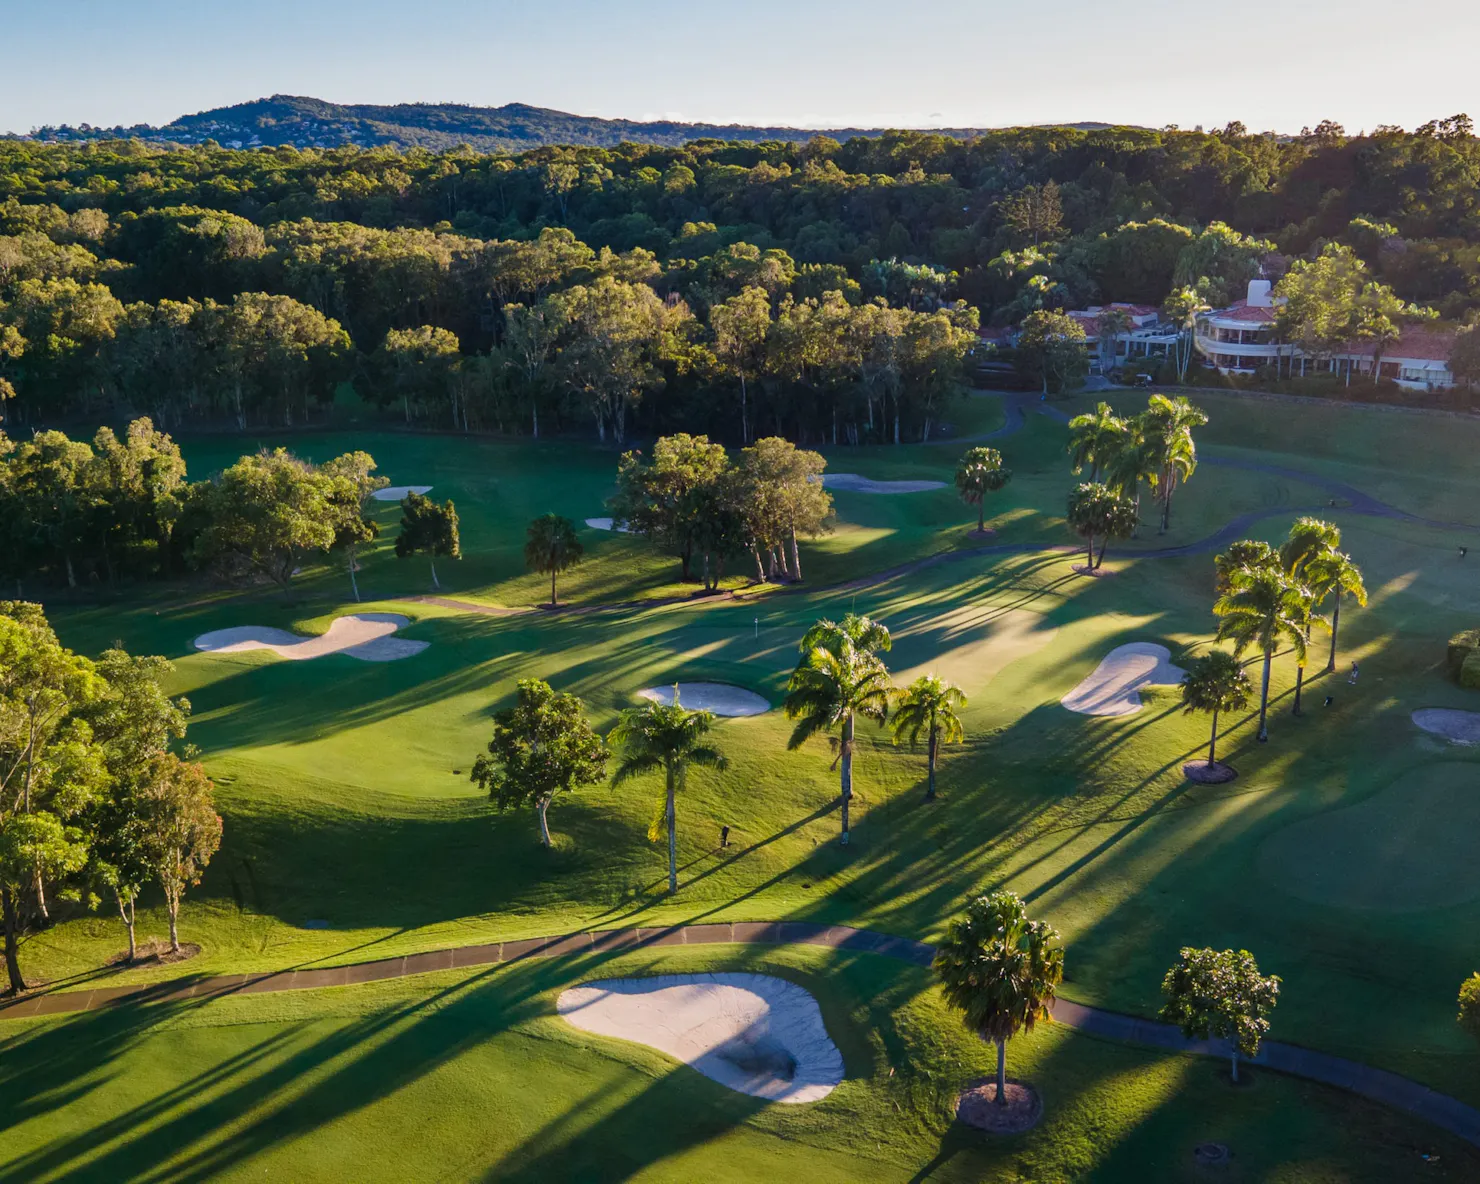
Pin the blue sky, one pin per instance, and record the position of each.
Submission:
(1272, 63)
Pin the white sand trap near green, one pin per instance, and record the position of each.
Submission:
(718, 697)
(396, 493)
(367, 636)
(606, 524)
(969, 645)
(1114, 686)
(753, 1033)
(1458, 727)
(853, 483)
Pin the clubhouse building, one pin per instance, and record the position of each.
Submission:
(1240, 338)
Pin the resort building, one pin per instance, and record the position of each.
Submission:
(1240, 338)
(1145, 335)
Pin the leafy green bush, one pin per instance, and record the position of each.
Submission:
(1469, 673)
(1461, 646)
(1469, 1005)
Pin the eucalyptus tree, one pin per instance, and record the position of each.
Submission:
(671, 738)
(428, 529)
(1000, 969)
(181, 829)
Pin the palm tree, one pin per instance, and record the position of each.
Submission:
(1168, 424)
(667, 737)
(1111, 323)
(1133, 459)
(1216, 683)
(839, 677)
(1262, 606)
(1181, 308)
(981, 472)
(1332, 573)
(999, 969)
(550, 544)
(929, 705)
(1309, 540)
(1246, 553)
(1093, 439)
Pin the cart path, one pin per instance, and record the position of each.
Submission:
(1377, 1085)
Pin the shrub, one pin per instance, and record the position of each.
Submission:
(1469, 1005)
(1461, 646)
(1469, 673)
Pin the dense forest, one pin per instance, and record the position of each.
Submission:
(819, 291)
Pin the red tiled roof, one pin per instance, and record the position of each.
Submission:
(1240, 310)
(1418, 343)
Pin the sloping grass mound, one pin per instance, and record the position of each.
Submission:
(1406, 849)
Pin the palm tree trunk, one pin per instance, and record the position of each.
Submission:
(1299, 683)
(1335, 624)
(1001, 1098)
(672, 838)
(1264, 697)
(1213, 740)
(846, 765)
(930, 779)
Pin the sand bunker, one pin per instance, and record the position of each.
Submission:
(1114, 686)
(1405, 849)
(1458, 727)
(752, 1033)
(366, 636)
(718, 697)
(853, 483)
(606, 524)
(396, 493)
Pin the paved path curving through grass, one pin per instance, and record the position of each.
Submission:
(1378, 1085)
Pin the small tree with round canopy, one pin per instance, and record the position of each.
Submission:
(929, 705)
(551, 545)
(981, 472)
(1220, 994)
(428, 529)
(667, 737)
(1215, 684)
(999, 969)
(1097, 512)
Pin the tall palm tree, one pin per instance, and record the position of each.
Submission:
(999, 969)
(929, 705)
(839, 678)
(1246, 553)
(1112, 322)
(551, 545)
(1093, 439)
(1261, 607)
(1309, 540)
(981, 472)
(1333, 574)
(1133, 459)
(1182, 308)
(1216, 683)
(667, 737)
(1167, 424)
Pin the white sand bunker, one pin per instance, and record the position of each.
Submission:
(1114, 686)
(396, 493)
(718, 697)
(366, 636)
(752, 1033)
(1458, 727)
(607, 524)
(853, 483)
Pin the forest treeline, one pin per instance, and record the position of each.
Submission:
(821, 291)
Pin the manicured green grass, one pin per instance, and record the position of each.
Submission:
(344, 784)
(471, 1076)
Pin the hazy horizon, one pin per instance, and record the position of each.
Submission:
(1272, 65)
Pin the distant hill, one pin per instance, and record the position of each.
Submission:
(313, 123)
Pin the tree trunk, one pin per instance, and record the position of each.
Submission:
(552, 599)
(846, 765)
(1235, 1065)
(1100, 560)
(1264, 697)
(672, 838)
(760, 572)
(1335, 624)
(172, 899)
(436, 585)
(981, 515)
(354, 584)
(1213, 741)
(542, 805)
(1001, 1098)
(930, 776)
(12, 943)
(71, 575)
(684, 557)
(535, 417)
(1089, 563)
(126, 911)
(796, 557)
(744, 420)
(40, 889)
(1299, 683)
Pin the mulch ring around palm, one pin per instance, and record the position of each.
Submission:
(978, 1107)
(1202, 773)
